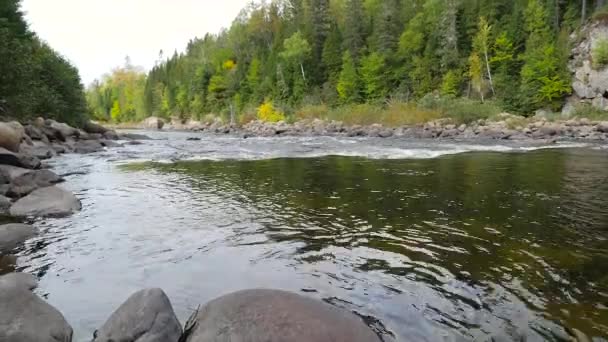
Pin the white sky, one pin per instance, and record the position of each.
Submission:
(96, 35)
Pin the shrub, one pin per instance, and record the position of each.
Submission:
(268, 113)
(461, 110)
(310, 112)
(590, 112)
(600, 54)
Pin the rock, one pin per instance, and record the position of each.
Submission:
(87, 146)
(18, 280)
(110, 135)
(550, 130)
(13, 235)
(5, 205)
(109, 143)
(11, 136)
(147, 316)
(134, 142)
(64, 129)
(35, 133)
(385, 133)
(602, 127)
(193, 139)
(92, 127)
(133, 136)
(44, 202)
(26, 183)
(27, 318)
(39, 150)
(9, 173)
(271, 315)
(21, 160)
(153, 123)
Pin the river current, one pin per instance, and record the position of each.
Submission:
(425, 240)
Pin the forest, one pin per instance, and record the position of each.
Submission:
(34, 79)
(289, 59)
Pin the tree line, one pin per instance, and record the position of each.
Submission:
(286, 54)
(34, 79)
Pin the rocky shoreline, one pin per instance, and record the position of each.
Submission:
(505, 127)
(28, 189)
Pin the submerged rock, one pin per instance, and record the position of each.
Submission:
(27, 318)
(50, 201)
(13, 235)
(273, 316)
(87, 146)
(147, 316)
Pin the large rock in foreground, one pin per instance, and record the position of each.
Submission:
(27, 318)
(147, 316)
(13, 235)
(47, 202)
(274, 316)
(26, 183)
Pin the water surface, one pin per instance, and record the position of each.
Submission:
(424, 240)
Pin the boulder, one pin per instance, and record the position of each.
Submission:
(13, 235)
(153, 123)
(5, 205)
(133, 136)
(147, 316)
(92, 127)
(602, 127)
(64, 129)
(18, 280)
(11, 136)
(39, 149)
(27, 318)
(46, 202)
(87, 146)
(26, 183)
(109, 143)
(21, 160)
(273, 316)
(35, 133)
(9, 173)
(110, 135)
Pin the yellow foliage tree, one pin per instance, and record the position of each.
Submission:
(267, 112)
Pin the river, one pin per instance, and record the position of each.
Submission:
(426, 240)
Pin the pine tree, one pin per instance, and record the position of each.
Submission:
(354, 29)
(373, 76)
(348, 84)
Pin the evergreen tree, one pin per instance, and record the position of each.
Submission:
(348, 84)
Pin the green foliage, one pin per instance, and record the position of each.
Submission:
(119, 97)
(302, 53)
(373, 76)
(348, 84)
(451, 84)
(600, 53)
(34, 79)
(460, 110)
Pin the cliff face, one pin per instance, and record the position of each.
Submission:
(590, 85)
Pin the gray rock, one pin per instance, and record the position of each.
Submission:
(27, 318)
(5, 205)
(602, 127)
(109, 143)
(44, 202)
(9, 172)
(147, 316)
(26, 183)
(91, 127)
(18, 280)
(133, 136)
(273, 316)
(13, 235)
(87, 146)
(110, 135)
(64, 129)
(39, 150)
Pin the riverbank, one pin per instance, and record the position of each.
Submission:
(502, 127)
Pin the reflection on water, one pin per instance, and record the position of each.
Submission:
(463, 247)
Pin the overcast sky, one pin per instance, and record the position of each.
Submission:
(96, 35)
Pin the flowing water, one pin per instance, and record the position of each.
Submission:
(427, 241)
